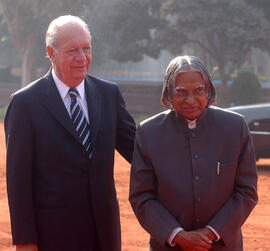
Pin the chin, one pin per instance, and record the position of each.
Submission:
(191, 118)
(192, 115)
(79, 75)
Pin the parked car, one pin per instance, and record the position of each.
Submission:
(258, 119)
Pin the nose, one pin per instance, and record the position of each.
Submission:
(80, 56)
(190, 99)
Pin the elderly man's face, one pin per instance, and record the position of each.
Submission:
(190, 99)
(72, 56)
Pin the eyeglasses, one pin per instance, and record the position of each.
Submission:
(198, 91)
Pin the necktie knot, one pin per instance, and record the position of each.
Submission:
(73, 93)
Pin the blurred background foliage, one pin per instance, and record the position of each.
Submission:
(245, 89)
(226, 34)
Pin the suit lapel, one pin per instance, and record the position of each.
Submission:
(93, 98)
(53, 101)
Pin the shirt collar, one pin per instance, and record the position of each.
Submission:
(63, 88)
(192, 123)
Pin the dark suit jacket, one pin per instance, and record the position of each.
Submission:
(175, 179)
(57, 196)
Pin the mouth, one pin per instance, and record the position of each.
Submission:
(79, 68)
(191, 109)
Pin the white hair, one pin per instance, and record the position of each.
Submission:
(184, 64)
(51, 34)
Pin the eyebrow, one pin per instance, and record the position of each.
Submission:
(182, 87)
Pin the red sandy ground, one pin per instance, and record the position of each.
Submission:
(256, 230)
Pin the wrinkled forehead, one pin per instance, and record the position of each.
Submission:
(183, 79)
(189, 76)
(183, 76)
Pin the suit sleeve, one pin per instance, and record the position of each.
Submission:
(20, 151)
(152, 215)
(125, 129)
(235, 211)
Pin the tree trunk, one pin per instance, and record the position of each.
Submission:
(223, 90)
(28, 60)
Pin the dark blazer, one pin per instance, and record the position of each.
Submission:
(176, 179)
(57, 197)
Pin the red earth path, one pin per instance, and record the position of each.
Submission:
(256, 230)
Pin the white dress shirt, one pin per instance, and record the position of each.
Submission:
(63, 90)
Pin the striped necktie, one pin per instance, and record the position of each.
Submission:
(79, 121)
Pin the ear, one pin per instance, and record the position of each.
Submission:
(51, 53)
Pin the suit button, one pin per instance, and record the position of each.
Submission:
(196, 156)
(197, 177)
(193, 135)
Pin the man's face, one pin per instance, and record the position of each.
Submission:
(72, 55)
(190, 99)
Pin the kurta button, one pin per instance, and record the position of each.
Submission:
(196, 156)
(198, 199)
(197, 220)
(197, 177)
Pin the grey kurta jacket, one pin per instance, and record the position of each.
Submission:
(193, 178)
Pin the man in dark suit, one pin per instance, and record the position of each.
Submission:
(61, 134)
(193, 174)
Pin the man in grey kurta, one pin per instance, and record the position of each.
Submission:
(193, 178)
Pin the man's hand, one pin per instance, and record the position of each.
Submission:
(27, 247)
(207, 232)
(198, 240)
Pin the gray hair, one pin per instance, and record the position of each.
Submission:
(184, 64)
(51, 34)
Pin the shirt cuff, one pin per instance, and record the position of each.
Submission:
(215, 232)
(173, 234)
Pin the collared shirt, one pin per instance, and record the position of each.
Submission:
(63, 90)
(192, 123)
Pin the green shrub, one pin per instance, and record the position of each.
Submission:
(245, 89)
(5, 74)
(2, 113)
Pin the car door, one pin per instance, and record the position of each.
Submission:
(260, 131)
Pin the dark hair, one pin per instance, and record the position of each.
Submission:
(184, 64)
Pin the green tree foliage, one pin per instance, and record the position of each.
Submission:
(245, 89)
(224, 30)
(97, 15)
(27, 21)
(264, 6)
(135, 25)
